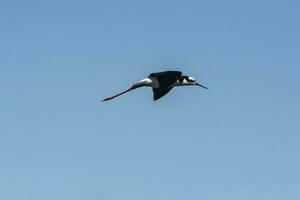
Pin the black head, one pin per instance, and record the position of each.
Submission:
(188, 80)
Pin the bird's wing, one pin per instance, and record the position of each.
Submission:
(167, 78)
(160, 92)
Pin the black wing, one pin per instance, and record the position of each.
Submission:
(167, 78)
(160, 92)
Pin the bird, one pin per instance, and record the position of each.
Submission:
(161, 83)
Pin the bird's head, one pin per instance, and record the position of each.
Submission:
(188, 80)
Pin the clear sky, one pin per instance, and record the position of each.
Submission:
(237, 140)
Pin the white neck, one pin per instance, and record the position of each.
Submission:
(183, 83)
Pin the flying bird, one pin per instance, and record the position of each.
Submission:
(161, 83)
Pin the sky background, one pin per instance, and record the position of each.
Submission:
(238, 140)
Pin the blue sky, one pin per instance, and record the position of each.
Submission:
(238, 140)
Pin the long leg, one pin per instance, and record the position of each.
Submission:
(125, 91)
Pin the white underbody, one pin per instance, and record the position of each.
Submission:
(150, 82)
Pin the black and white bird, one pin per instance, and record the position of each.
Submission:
(161, 83)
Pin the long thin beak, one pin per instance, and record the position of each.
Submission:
(201, 85)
